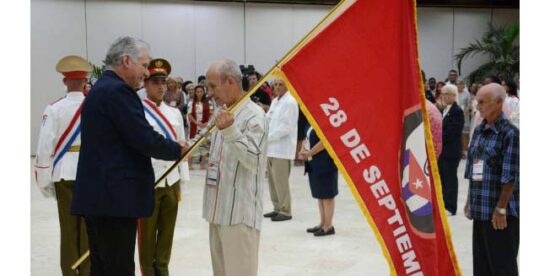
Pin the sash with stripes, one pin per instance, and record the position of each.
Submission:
(151, 109)
(67, 138)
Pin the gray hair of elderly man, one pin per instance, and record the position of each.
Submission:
(122, 46)
(228, 68)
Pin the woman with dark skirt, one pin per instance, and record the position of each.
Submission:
(323, 181)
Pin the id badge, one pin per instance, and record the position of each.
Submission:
(212, 175)
(173, 103)
(477, 172)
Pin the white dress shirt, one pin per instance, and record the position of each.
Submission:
(283, 127)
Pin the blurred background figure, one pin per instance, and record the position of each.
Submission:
(323, 181)
(512, 101)
(453, 123)
(199, 116)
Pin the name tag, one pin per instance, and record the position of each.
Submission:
(212, 175)
(477, 172)
(173, 103)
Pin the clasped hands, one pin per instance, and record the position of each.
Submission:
(304, 154)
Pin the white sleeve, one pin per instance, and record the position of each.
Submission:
(45, 149)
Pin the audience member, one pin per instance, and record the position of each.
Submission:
(323, 181)
(260, 96)
(512, 101)
(438, 99)
(453, 123)
(492, 168)
(173, 97)
(436, 122)
(430, 90)
(198, 118)
(464, 102)
(476, 117)
(452, 77)
(302, 125)
(281, 150)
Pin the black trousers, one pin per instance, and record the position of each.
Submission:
(496, 251)
(449, 181)
(112, 243)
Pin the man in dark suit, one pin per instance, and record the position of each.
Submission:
(453, 122)
(115, 179)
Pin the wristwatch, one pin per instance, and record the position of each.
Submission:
(500, 211)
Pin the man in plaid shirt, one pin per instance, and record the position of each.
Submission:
(493, 197)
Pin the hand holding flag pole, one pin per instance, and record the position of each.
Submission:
(195, 143)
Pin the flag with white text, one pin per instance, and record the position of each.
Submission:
(356, 76)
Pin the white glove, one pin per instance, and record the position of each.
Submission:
(48, 191)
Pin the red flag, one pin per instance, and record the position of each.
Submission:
(356, 76)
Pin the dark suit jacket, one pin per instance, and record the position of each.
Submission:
(114, 175)
(453, 123)
(429, 96)
(320, 162)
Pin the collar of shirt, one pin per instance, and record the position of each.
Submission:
(496, 126)
(446, 110)
(285, 95)
(75, 95)
(162, 103)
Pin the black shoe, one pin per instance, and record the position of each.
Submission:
(281, 217)
(313, 229)
(270, 215)
(322, 232)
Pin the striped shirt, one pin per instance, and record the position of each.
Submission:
(236, 169)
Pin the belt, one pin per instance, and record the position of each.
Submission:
(74, 149)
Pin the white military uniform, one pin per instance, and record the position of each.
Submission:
(57, 117)
(156, 233)
(174, 117)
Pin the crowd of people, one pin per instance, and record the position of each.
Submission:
(110, 144)
(458, 108)
(481, 125)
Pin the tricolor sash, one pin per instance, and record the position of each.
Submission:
(151, 109)
(67, 138)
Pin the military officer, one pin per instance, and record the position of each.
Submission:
(155, 233)
(60, 138)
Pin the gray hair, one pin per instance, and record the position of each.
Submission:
(449, 88)
(228, 68)
(124, 46)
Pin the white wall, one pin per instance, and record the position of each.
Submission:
(192, 34)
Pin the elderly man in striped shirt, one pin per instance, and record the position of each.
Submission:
(233, 191)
